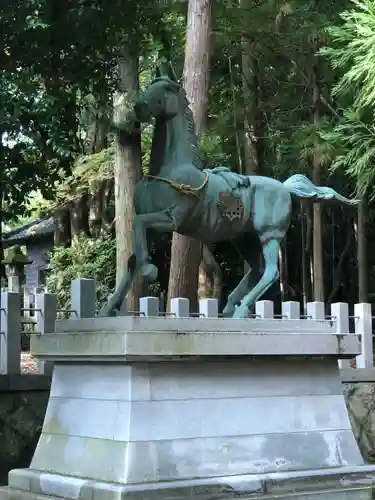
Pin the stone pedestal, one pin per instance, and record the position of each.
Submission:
(175, 408)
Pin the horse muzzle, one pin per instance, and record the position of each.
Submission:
(142, 112)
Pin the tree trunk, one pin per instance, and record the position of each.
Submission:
(253, 127)
(235, 119)
(186, 252)
(318, 252)
(197, 60)
(306, 230)
(79, 215)
(338, 272)
(127, 168)
(108, 207)
(210, 276)
(318, 268)
(3, 217)
(253, 121)
(362, 253)
(95, 208)
(62, 234)
(97, 133)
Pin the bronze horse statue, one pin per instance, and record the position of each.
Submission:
(210, 205)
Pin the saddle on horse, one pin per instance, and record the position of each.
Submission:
(233, 179)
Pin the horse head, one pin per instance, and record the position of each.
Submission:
(174, 139)
(164, 97)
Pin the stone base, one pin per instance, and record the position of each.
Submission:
(150, 422)
(344, 483)
(164, 409)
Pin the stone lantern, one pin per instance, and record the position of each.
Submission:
(15, 263)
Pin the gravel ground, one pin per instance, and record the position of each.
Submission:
(28, 363)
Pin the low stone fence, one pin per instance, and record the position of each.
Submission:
(43, 314)
(24, 397)
(40, 319)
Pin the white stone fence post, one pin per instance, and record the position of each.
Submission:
(10, 333)
(12, 316)
(83, 305)
(208, 308)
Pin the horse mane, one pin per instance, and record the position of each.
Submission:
(160, 134)
(157, 146)
(196, 157)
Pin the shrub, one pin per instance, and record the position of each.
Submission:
(86, 258)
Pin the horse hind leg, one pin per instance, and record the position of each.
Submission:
(249, 280)
(270, 249)
(239, 292)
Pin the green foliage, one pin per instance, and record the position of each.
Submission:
(88, 258)
(351, 52)
(48, 90)
(87, 170)
(352, 49)
(51, 92)
(214, 150)
(353, 141)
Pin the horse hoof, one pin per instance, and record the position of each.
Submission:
(106, 312)
(149, 272)
(241, 312)
(228, 311)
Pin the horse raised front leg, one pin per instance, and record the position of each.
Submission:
(139, 260)
(271, 273)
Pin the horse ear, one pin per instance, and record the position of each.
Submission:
(162, 68)
(171, 73)
(165, 68)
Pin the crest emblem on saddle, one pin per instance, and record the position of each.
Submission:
(230, 204)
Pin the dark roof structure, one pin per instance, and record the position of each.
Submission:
(38, 229)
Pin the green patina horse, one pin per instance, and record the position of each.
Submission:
(210, 205)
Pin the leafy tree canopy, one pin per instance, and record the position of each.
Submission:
(351, 54)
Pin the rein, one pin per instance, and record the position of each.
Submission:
(183, 188)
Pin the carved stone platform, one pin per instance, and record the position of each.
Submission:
(170, 408)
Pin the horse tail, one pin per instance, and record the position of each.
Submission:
(299, 185)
